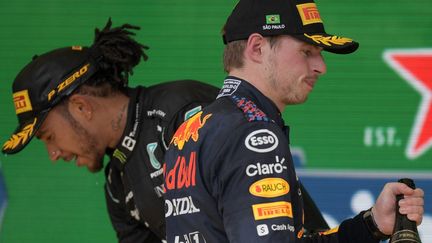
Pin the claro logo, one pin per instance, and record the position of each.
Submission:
(269, 187)
(261, 141)
(266, 169)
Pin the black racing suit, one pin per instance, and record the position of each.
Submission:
(229, 177)
(134, 201)
(134, 179)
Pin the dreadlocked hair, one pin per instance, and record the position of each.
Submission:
(120, 53)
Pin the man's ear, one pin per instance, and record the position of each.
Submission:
(254, 47)
(81, 106)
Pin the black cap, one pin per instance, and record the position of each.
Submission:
(42, 84)
(297, 18)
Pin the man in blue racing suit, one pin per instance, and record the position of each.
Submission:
(229, 175)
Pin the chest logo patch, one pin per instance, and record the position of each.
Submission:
(269, 187)
(151, 148)
(261, 141)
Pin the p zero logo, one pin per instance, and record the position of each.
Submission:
(309, 13)
(68, 81)
(272, 210)
(269, 187)
(261, 141)
(22, 101)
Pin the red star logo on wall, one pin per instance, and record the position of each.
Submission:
(415, 66)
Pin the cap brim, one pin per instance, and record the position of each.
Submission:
(23, 134)
(330, 43)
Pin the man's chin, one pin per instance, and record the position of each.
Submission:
(96, 167)
(94, 170)
(297, 101)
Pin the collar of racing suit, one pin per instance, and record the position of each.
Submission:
(125, 147)
(234, 86)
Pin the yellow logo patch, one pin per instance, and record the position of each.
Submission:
(329, 40)
(309, 13)
(22, 102)
(272, 210)
(269, 187)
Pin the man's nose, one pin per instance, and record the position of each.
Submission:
(319, 66)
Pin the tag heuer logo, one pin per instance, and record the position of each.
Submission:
(273, 19)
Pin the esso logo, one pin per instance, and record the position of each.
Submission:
(261, 141)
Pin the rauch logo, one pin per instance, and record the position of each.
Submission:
(269, 187)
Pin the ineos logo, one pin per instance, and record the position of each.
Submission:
(261, 141)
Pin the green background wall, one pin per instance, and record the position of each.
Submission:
(359, 116)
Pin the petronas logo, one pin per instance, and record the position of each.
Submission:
(151, 148)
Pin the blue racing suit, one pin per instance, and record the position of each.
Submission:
(229, 177)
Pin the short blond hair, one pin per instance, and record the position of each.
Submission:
(233, 53)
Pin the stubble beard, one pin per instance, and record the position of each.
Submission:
(284, 89)
(89, 147)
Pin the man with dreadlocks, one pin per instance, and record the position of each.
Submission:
(76, 100)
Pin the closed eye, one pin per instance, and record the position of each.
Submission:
(306, 53)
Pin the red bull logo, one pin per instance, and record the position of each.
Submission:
(182, 175)
(189, 129)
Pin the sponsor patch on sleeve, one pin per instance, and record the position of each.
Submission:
(269, 187)
(272, 210)
(261, 141)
